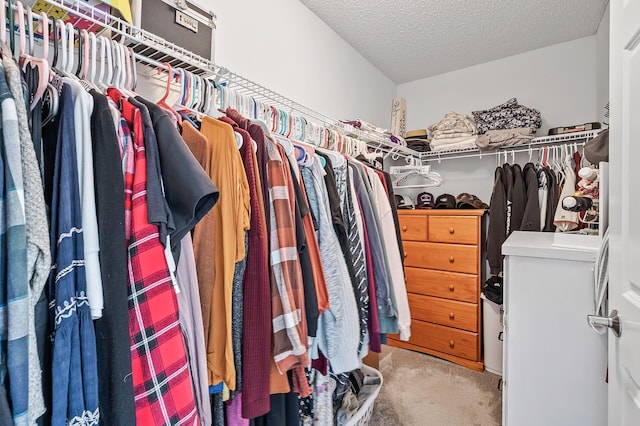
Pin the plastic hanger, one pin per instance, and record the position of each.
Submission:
(123, 66)
(61, 27)
(89, 55)
(106, 63)
(30, 30)
(402, 174)
(81, 54)
(127, 61)
(115, 57)
(71, 37)
(163, 101)
(18, 14)
(24, 59)
(187, 76)
(134, 70)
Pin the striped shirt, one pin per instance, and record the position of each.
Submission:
(287, 297)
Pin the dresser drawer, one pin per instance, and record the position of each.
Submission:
(451, 313)
(413, 228)
(449, 285)
(453, 229)
(463, 344)
(444, 257)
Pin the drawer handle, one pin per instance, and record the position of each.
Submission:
(404, 229)
(452, 316)
(406, 254)
(451, 259)
(452, 230)
(451, 344)
(452, 287)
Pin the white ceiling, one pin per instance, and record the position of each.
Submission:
(412, 39)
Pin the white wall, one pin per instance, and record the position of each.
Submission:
(559, 81)
(602, 66)
(283, 46)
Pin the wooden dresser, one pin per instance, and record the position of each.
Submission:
(443, 271)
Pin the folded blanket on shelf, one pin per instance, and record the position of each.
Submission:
(496, 139)
(459, 143)
(454, 123)
(508, 115)
(451, 135)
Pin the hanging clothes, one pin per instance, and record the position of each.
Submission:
(74, 372)
(497, 232)
(38, 245)
(256, 325)
(518, 198)
(115, 385)
(231, 220)
(157, 346)
(531, 217)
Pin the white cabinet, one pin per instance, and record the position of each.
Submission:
(554, 364)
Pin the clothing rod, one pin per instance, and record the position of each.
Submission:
(142, 40)
(515, 150)
(536, 144)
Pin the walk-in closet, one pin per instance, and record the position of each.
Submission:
(327, 213)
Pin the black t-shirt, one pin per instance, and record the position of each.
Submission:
(187, 187)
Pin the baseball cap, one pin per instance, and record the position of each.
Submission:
(425, 200)
(470, 201)
(445, 201)
(403, 202)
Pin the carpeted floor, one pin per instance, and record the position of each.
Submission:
(420, 390)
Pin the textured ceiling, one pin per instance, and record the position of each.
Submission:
(412, 39)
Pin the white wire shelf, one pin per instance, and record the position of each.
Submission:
(535, 144)
(153, 51)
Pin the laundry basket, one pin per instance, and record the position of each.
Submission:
(363, 416)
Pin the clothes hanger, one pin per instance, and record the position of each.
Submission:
(40, 64)
(18, 14)
(30, 33)
(71, 51)
(88, 53)
(134, 69)
(195, 98)
(186, 77)
(81, 54)
(127, 61)
(123, 66)
(103, 59)
(61, 31)
(163, 101)
(117, 65)
(401, 174)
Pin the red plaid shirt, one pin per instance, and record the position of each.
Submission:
(161, 381)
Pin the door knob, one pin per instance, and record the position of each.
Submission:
(612, 322)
